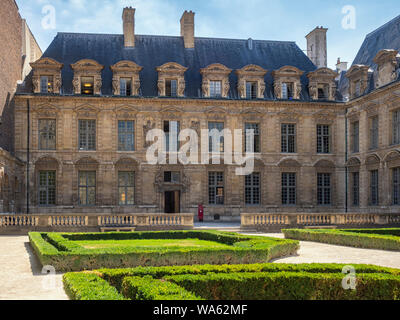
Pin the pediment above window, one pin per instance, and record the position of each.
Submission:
(87, 64)
(126, 78)
(322, 84)
(216, 75)
(87, 68)
(287, 84)
(87, 111)
(171, 80)
(251, 82)
(46, 76)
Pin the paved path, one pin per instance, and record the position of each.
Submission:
(21, 278)
(20, 273)
(313, 252)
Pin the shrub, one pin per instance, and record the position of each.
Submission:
(89, 286)
(240, 282)
(353, 238)
(147, 288)
(62, 252)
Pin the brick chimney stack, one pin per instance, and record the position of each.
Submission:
(187, 29)
(317, 47)
(128, 18)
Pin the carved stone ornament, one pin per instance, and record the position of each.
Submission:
(171, 71)
(251, 73)
(50, 68)
(146, 128)
(129, 70)
(216, 72)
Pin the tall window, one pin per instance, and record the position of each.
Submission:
(126, 136)
(324, 189)
(358, 88)
(323, 139)
(323, 91)
(171, 130)
(46, 84)
(47, 188)
(216, 137)
(125, 86)
(87, 85)
(252, 189)
(216, 188)
(374, 133)
(396, 186)
(374, 185)
(288, 188)
(47, 134)
(126, 188)
(251, 90)
(87, 188)
(356, 188)
(171, 88)
(396, 127)
(87, 135)
(287, 90)
(288, 138)
(215, 89)
(355, 137)
(252, 147)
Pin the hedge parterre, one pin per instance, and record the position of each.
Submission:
(90, 251)
(383, 239)
(234, 282)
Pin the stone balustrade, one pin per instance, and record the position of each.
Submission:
(21, 224)
(275, 222)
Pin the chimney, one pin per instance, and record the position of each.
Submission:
(187, 29)
(340, 67)
(317, 47)
(128, 18)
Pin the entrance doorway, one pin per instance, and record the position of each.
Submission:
(172, 201)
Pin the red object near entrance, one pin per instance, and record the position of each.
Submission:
(201, 213)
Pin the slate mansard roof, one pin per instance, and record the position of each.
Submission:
(153, 51)
(385, 37)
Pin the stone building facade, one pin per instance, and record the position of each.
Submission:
(94, 98)
(18, 50)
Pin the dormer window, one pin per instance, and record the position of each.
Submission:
(87, 85)
(357, 89)
(251, 90)
(322, 84)
(87, 77)
(126, 79)
(287, 84)
(125, 86)
(46, 76)
(287, 90)
(46, 84)
(215, 82)
(171, 80)
(215, 89)
(251, 82)
(358, 80)
(323, 91)
(171, 87)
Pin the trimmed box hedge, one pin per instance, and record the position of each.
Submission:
(236, 282)
(383, 239)
(62, 251)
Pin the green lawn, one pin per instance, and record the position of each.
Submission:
(151, 244)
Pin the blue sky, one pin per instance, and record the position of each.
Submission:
(241, 19)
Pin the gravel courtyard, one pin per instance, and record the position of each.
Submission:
(21, 275)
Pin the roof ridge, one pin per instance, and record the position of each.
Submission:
(384, 26)
(175, 37)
